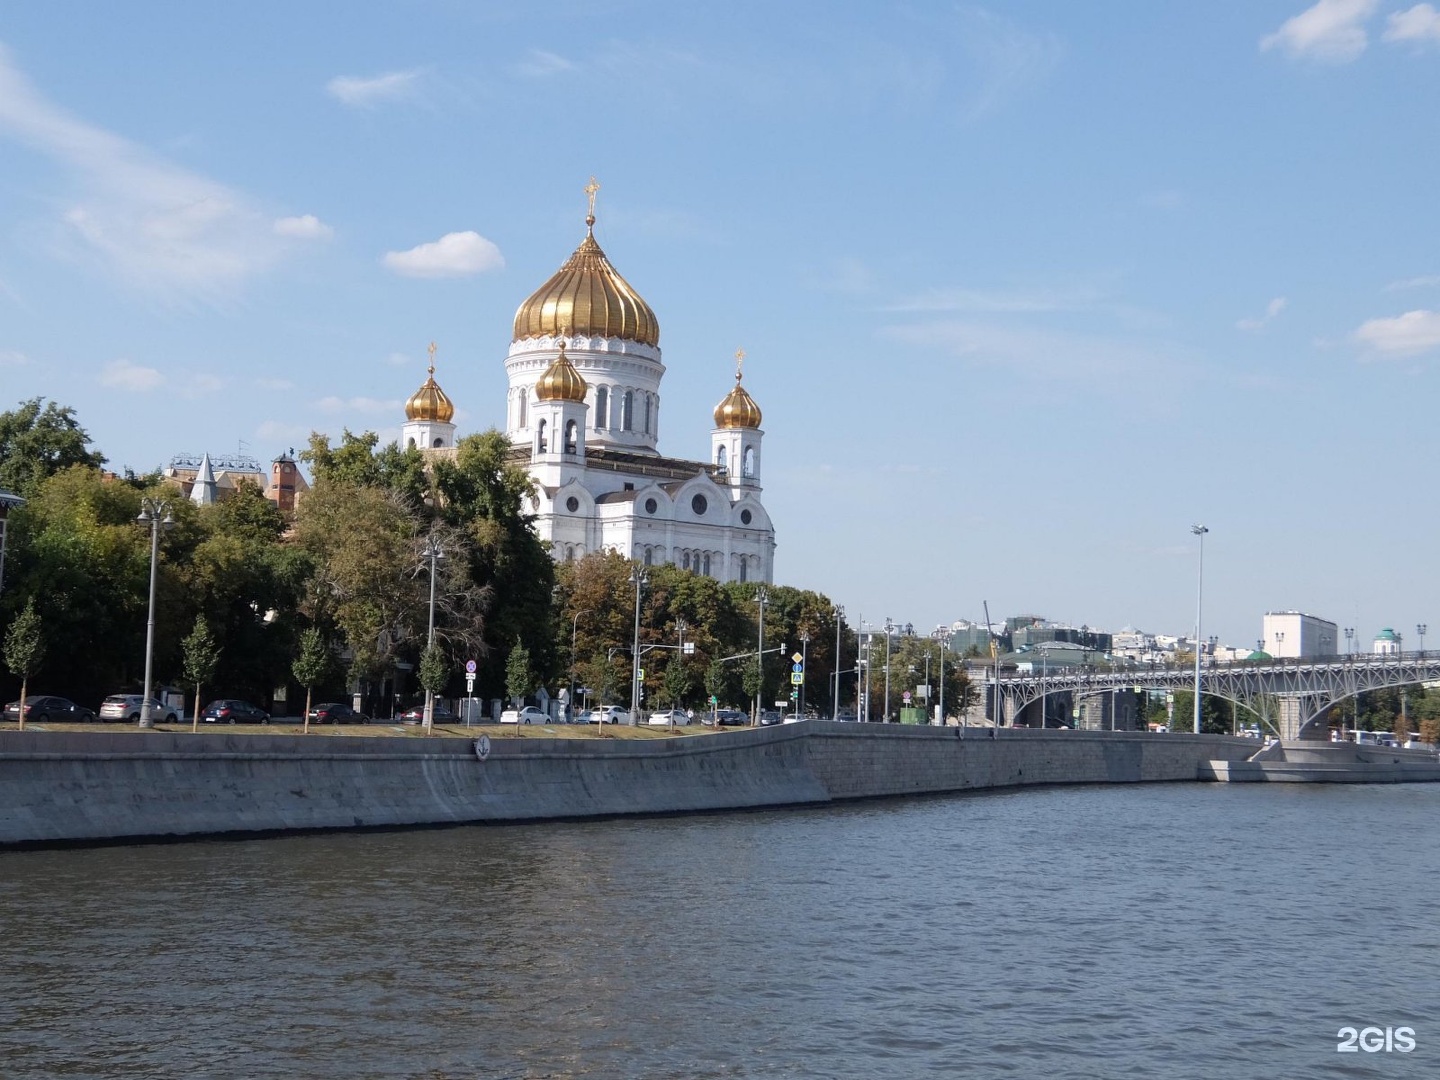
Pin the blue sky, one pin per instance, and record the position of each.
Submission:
(1025, 289)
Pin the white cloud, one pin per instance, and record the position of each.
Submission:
(363, 93)
(358, 405)
(279, 431)
(13, 358)
(275, 384)
(1425, 281)
(196, 386)
(539, 63)
(1421, 24)
(398, 359)
(123, 375)
(1272, 309)
(1332, 30)
(455, 254)
(305, 227)
(1404, 335)
(152, 224)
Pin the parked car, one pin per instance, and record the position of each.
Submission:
(607, 714)
(46, 707)
(230, 711)
(731, 718)
(337, 712)
(769, 717)
(439, 714)
(668, 717)
(127, 707)
(528, 715)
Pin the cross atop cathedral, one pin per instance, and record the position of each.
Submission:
(431, 351)
(739, 363)
(590, 190)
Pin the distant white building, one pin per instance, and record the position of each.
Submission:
(1296, 634)
(1387, 643)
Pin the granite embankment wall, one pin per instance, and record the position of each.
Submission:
(67, 786)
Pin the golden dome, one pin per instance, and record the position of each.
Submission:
(561, 382)
(738, 410)
(587, 297)
(430, 402)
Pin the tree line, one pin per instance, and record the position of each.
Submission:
(257, 604)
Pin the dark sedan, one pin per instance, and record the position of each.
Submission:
(337, 712)
(230, 711)
(45, 707)
(439, 714)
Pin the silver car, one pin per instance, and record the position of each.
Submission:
(127, 707)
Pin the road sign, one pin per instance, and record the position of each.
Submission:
(482, 747)
(469, 684)
(642, 673)
(796, 679)
(797, 668)
(470, 666)
(906, 696)
(714, 700)
(794, 695)
(797, 658)
(689, 649)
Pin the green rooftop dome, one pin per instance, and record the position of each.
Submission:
(1259, 654)
(1387, 634)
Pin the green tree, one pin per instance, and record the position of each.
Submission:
(519, 677)
(434, 669)
(752, 681)
(312, 666)
(1214, 713)
(201, 655)
(36, 443)
(676, 682)
(24, 649)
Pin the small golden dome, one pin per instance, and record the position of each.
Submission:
(561, 382)
(738, 410)
(588, 297)
(430, 402)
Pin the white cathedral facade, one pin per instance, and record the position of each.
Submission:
(583, 415)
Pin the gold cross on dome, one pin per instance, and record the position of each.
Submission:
(431, 351)
(739, 363)
(590, 190)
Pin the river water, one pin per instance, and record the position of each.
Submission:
(1156, 931)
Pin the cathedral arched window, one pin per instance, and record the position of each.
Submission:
(720, 458)
(685, 560)
(742, 569)
(647, 414)
(524, 412)
(602, 408)
(412, 444)
(627, 412)
(572, 437)
(540, 437)
(749, 467)
(649, 555)
(439, 442)
(706, 571)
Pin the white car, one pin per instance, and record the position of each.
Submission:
(128, 707)
(528, 715)
(607, 714)
(665, 719)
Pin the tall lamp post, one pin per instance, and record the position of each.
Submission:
(574, 629)
(156, 514)
(944, 638)
(638, 578)
(433, 552)
(835, 705)
(1420, 629)
(1199, 531)
(889, 629)
(762, 598)
(804, 665)
(1350, 640)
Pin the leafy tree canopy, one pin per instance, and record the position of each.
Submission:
(37, 442)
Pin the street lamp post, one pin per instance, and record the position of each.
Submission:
(762, 597)
(889, 629)
(156, 514)
(574, 629)
(1350, 640)
(1199, 531)
(433, 552)
(638, 578)
(1420, 629)
(835, 705)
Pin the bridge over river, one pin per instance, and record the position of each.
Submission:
(1296, 695)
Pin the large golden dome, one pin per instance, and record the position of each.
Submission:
(588, 298)
(561, 382)
(738, 410)
(430, 402)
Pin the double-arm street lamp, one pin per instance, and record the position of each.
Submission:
(889, 629)
(1199, 531)
(943, 636)
(574, 629)
(835, 704)
(762, 599)
(433, 552)
(1420, 629)
(156, 514)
